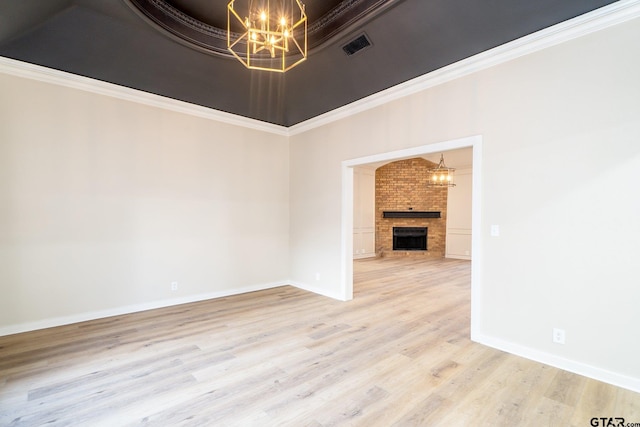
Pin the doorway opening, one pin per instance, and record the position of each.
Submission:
(475, 142)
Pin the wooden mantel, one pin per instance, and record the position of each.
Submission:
(411, 214)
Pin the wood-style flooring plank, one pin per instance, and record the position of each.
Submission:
(399, 354)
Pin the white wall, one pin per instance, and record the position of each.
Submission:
(104, 202)
(364, 206)
(459, 216)
(560, 168)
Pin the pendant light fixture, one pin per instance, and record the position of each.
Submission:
(441, 176)
(268, 35)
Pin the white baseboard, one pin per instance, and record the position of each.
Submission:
(454, 256)
(579, 368)
(619, 380)
(364, 256)
(317, 290)
(93, 315)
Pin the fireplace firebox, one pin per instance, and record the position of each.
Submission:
(409, 238)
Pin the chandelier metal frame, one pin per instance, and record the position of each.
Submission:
(271, 37)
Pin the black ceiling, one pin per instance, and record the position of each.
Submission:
(135, 43)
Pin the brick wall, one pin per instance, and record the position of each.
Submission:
(402, 186)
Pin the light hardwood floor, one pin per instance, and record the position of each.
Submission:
(399, 354)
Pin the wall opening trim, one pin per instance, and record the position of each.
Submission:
(346, 289)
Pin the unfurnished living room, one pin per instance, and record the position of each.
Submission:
(235, 213)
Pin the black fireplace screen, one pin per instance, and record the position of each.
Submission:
(409, 238)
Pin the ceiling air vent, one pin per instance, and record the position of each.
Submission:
(356, 45)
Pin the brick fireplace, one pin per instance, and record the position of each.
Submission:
(404, 201)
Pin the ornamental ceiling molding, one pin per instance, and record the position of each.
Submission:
(188, 20)
(211, 39)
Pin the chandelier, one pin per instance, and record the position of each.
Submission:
(272, 36)
(441, 176)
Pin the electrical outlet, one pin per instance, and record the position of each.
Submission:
(495, 230)
(558, 336)
(317, 276)
(174, 286)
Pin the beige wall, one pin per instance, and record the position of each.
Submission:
(560, 167)
(104, 202)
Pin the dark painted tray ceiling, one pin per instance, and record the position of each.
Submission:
(141, 46)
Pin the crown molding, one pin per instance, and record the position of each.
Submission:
(62, 78)
(608, 16)
(605, 17)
